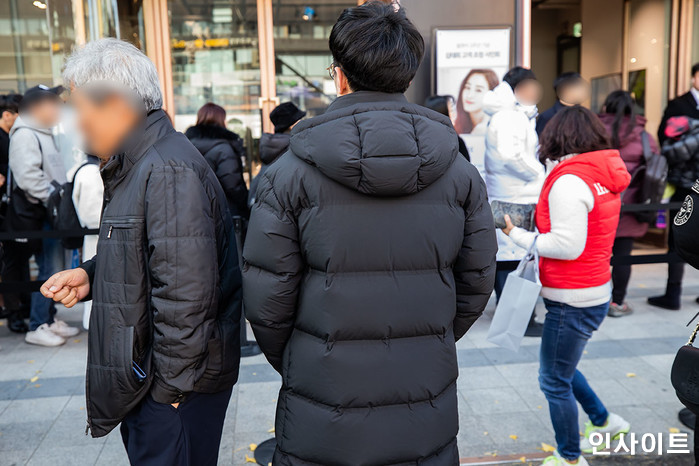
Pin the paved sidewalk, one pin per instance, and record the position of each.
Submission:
(503, 414)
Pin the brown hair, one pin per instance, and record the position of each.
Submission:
(463, 122)
(211, 115)
(574, 130)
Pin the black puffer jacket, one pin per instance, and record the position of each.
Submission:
(224, 151)
(272, 146)
(683, 157)
(165, 282)
(370, 251)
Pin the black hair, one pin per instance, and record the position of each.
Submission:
(377, 47)
(695, 69)
(10, 103)
(567, 79)
(620, 104)
(517, 75)
(439, 103)
(573, 130)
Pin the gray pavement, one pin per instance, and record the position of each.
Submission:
(503, 414)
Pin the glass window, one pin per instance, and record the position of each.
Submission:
(215, 59)
(301, 31)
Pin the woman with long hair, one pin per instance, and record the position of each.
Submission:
(626, 129)
(470, 118)
(577, 217)
(224, 151)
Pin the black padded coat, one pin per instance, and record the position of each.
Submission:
(224, 151)
(370, 251)
(165, 283)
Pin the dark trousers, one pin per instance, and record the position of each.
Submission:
(621, 274)
(16, 261)
(157, 434)
(675, 271)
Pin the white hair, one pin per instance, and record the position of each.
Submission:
(116, 62)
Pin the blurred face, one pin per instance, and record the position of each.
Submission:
(528, 92)
(576, 94)
(474, 91)
(46, 112)
(451, 109)
(104, 123)
(7, 120)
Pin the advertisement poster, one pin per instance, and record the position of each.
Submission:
(469, 63)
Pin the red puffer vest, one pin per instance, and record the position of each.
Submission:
(606, 175)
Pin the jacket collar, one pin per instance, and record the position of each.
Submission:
(359, 97)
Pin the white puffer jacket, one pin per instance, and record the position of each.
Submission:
(513, 172)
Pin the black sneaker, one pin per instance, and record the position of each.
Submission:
(534, 329)
(17, 324)
(665, 302)
(687, 418)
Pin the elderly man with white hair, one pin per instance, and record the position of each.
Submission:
(163, 351)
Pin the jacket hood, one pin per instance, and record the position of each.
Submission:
(272, 145)
(26, 122)
(604, 166)
(624, 137)
(377, 143)
(503, 98)
(204, 137)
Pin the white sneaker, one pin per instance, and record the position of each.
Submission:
(43, 336)
(62, 329)
(557, 460)
(615, 427)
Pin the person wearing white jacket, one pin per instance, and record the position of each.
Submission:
(88, 192)
(513, 172)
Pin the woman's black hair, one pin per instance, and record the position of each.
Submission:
(377, 47)
(439, 103)
(621, 104)
(574, 130)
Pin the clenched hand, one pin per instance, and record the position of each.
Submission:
(67, 287)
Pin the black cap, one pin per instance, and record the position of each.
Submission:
(39, 93)
(284, 116)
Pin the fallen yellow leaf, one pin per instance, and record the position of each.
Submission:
(250, 460)
(37, 385)
(271, 431)
(523, 459)
(31, 361)
(253, 446)
(513, 437)
(674, 430)
(547, 448)
(630, 374)
(539, 407)
(485, 433)
(34, 379)
(77, 340)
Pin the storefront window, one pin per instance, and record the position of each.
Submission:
(301, 32)
(215, 59)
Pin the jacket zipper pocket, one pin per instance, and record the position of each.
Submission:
(121, 224)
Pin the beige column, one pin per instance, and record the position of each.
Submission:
(268, 81)
(684, 46)
(158, 48)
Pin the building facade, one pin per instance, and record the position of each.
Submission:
(249, 55)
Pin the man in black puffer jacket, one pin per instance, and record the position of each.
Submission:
(163, 351)
(370, 251)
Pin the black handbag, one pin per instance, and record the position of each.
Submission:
(685, 373)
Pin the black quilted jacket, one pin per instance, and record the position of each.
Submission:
(165, 282)
(683, 157)
(370, 251)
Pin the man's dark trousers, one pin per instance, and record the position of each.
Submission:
(158, 434)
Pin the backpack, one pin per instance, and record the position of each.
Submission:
(652, 178)
(62, 213)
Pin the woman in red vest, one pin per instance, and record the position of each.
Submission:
(577, 218)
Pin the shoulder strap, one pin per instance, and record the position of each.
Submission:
(647, 151)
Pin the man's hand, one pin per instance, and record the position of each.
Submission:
(2, 180)
(67, 287)
(509, 225)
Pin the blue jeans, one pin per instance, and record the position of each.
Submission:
(50, 260)
(566, 332)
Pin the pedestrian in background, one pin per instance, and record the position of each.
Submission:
(445, 105)
(353, 294)
(272, 145)
(681, 175)
(36, 167)
(164, 348)
(577, 218)
(513, 172)
(88, 192)
(571, 89)
(626, 130)
(9, 111)
(224, 151)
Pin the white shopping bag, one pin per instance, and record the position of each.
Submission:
(516, 303)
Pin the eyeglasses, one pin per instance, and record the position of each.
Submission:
(331, 70)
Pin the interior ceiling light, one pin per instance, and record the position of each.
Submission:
(40, 5)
